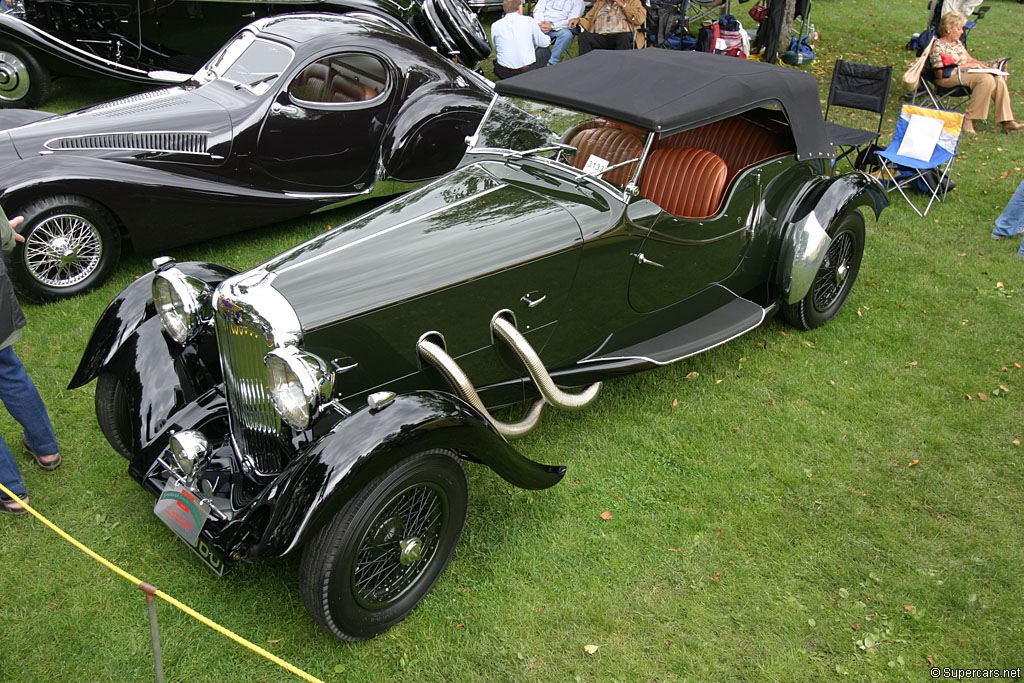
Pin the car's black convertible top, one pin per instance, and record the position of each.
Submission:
(680, 90)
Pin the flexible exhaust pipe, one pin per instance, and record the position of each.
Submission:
(551, 393)
(458, 380)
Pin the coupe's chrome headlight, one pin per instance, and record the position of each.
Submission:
(182, 301)
(298, 384)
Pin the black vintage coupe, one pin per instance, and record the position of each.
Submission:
(297, 113)
(326, 401)
(156, 42)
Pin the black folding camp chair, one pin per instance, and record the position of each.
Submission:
(856, 86)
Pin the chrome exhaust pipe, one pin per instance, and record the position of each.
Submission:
(458, 380)
(551, 393)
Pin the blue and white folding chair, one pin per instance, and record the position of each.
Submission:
(922, 152)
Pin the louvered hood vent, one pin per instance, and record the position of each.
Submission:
(187, 143)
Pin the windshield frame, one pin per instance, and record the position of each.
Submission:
(510, 155)
(219, 66)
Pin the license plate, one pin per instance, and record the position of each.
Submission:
(182, 511)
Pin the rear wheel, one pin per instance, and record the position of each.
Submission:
(113, 414)
(835, 276)
(370, 566)
(71, 245)
(24, 83)
(466, 31)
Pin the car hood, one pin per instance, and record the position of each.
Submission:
(467, 225)
(170, 121)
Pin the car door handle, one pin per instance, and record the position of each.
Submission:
(531, 302)
(644, 261)
(285, 109)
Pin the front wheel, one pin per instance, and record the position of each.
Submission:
(381, 554)
(113, 412)
(71, 245)
(835, 276)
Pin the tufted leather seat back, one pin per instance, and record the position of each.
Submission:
(311, 84)
(611, 144)
(739, 141)
(685, 181)
(344, 89)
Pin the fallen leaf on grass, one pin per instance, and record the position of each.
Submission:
(718, 381)
(607, 514)
(911, 364)
(1018, 366)
(929, 660)
(983, 397)
(692, 374)
(909, 608)
(718, 533)
(675, 403)
(1005, 389)
(913, 462)
(859, 313)
(717, 576)
(1016, 442)
(458, 626)
(855, 627)
(675, 550)
(969, 397)
(591, 649)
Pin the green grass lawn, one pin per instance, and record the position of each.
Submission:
(788, 506)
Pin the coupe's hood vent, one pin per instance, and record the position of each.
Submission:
(188, 143)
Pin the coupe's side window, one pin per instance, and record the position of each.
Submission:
(339, 79)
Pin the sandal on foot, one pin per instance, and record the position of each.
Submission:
(47, 462)
(10, 506)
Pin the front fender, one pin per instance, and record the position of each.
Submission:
(64, 57)
(806, 240)
(365, 443)
(123, 317)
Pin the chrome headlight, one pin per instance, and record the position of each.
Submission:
(189, 449)
(298, 384)
(182, 301)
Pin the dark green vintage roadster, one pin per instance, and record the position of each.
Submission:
(325, 401)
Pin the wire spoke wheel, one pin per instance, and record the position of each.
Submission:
(63, 250)
(828, 283)
(399, 544)
(370, 566)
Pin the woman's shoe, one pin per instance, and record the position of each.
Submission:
(9, 506)
(47, 462)
(1009, 126)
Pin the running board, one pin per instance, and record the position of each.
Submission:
(717, 327)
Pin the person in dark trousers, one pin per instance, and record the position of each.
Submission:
(17, 391)
(612, 25)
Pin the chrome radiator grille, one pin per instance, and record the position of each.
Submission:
(255, 425)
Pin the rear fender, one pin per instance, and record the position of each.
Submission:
(806, 241)
(428, 136)
(364, 444)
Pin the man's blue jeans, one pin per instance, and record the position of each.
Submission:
(1011, 221)
(22, 400)
(560, 39)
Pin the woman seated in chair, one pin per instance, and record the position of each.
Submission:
(952, 64)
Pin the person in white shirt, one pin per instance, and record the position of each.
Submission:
(519, 44)
(553, 18)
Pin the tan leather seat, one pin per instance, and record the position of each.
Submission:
(345, 89)
(612, 145)
(685, 181)
(740, 142)
(311, 84)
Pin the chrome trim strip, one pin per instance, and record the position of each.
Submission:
(385, 231)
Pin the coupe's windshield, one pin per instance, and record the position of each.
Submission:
(247, 61)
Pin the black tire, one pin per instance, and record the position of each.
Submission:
(113, 413)
(24, 83)
(419, 503)
(71, 245)
(465, 30)
(835, 277)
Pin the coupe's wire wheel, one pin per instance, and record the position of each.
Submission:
(63, 250)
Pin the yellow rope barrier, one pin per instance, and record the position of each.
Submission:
(164, 596)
